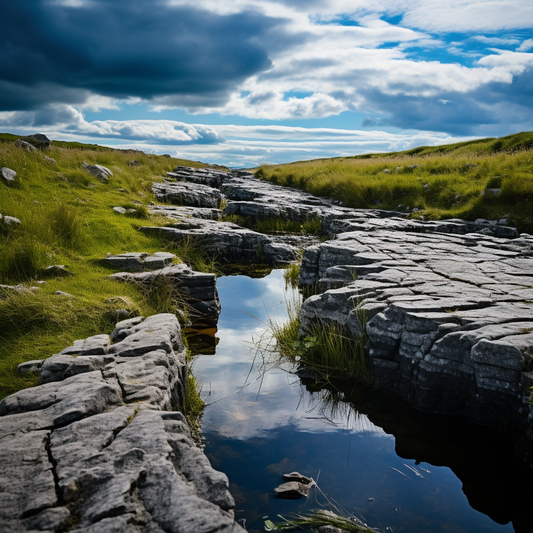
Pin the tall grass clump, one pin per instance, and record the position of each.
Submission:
(68, 226)
(327, 348)
(22, 259)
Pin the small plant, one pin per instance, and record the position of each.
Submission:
(193, 405)
(315, 519)
(291, 274)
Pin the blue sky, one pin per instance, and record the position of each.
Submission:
(244, 82)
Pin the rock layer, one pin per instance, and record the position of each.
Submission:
(96, 447)
(449, 318)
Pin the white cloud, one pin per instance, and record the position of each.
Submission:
(232, 145)
(525, 46)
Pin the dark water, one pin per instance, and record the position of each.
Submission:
(371, 455)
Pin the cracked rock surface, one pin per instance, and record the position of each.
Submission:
(96, 447)
(449, 317)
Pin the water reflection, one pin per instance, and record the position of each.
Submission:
(372, 454)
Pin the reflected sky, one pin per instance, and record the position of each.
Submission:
(260, 422)
(246, 393)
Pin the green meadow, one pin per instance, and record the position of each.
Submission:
(488, 178)
(67, 219)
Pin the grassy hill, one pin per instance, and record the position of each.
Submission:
(439, 181)
(67, 219)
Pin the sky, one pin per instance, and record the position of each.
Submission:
(246, 82)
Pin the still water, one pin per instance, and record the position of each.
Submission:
(371, 455)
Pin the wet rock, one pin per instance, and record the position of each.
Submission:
(7, 174)
(300, 478)
(98, 171)
(292, 490)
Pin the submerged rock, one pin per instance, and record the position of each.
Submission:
(292, 490)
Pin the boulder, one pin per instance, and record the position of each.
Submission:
(38, 140)
(7, 174)
(26, 146)
(98, 171)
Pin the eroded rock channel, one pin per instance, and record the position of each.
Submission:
(101, 444)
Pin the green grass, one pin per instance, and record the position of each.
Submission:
(67, 219)
(327, 349)
(321, 518)
(442, 182)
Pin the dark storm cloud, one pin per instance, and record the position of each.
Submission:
(142, 48)
(484, 109)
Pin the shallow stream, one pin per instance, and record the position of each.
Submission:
(371, 455)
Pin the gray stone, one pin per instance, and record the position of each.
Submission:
(57, 270)
(447, 327)
(30, 366)
(7, 174)
(98, 171)
(198, 290)
(116, 467)
(134, 163)
(190, 194)
(137, 261)
(292, 490)
(38, 140)
(26, 146)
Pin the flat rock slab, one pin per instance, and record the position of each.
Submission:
(139, 261)
(449, 317)
(189, 194)
(176, 212)
(97, 445)
(227, 241)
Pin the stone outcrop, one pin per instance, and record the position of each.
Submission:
(449, 318)
(97, 448)
(38, 140)
(197, 290)
(227, 241)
